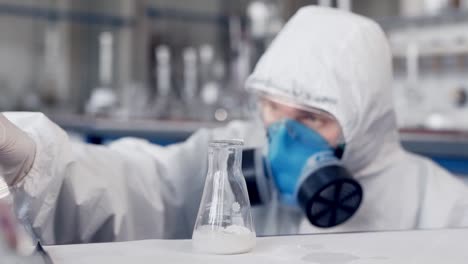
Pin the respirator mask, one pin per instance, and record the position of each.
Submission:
(306, 171)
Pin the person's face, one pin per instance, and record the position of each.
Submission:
(325, 125)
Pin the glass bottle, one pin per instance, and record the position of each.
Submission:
(224, 221)
(163, 99)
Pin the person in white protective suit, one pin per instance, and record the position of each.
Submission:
(324, 63)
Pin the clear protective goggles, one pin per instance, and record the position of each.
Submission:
(274, 108)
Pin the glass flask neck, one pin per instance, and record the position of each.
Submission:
(225, 155)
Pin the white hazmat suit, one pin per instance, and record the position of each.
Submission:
(323, 58)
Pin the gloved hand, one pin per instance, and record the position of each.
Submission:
(17, 152)
(8, 226)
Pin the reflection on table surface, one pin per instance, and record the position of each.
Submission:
(429, 246)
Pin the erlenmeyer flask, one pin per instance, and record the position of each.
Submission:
(224, 222)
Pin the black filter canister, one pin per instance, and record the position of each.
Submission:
(329, 196)
(253, 169)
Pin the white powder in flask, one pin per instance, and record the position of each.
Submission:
(233, 239)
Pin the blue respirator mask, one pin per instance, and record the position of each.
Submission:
(307, 173)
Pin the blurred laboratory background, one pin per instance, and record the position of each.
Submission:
(160, 69)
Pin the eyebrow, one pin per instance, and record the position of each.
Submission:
(305, 114)
(297, 112)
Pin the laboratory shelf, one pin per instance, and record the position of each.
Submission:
(102, 130)
(447, 148)
(56, 15)
(446, 17)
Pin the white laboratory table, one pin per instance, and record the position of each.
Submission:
(425, 247)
